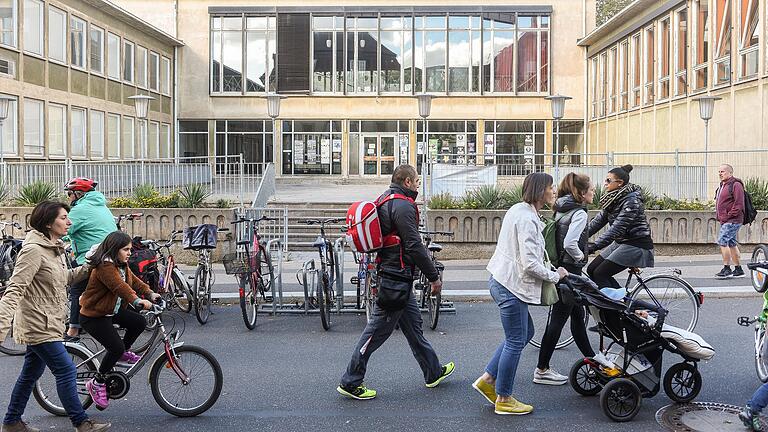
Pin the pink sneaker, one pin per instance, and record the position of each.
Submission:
(98, 393)
(130, 357)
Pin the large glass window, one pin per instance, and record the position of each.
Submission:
(57, 130)
(96, 130)
(229, 69)
(681, 52)
(648, 61)
(227, 54)
(141, 66)
(362, 54)
(33, 26)
(722, 42)
(499, 53)
(700, 43)
(128, 67)
(663, 58)
(193, 138)
(113, 136)
(327, 54)
(8, 22)
(308, 147)
(154, 71)
(532, 53)
(113, 56)
(78, 135)
(96, 49)
(9, 131)
(34, 128)
(749, 37)
(516, 147)
(396, 54)
(77, 45)
(464, 46)
(57, 34)
(452, 142)
(260, 54)
(250, 138)
(128, 141)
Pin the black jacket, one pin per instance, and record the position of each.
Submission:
(399, 216)
(628, 224)
(563, 206)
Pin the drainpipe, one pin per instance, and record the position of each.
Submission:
(176, 84)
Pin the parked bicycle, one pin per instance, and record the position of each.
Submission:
(759, 279)
(202, 239)
(671, 291)
(126, 217)
(172, 283)
(324, 295)
(366, 282)
(427, 299)
(185, 380)
(761, 347)
(9, 250)
(252, 266)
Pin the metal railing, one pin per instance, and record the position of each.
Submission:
(276, 229)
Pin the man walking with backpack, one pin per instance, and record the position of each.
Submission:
(730, 208)
(403, 251)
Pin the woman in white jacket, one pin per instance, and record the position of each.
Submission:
(517, 275)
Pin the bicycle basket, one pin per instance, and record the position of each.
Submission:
(200, 237)
(238, 263)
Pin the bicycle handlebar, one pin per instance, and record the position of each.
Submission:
(763, 265)
(445, 233)
(251, 220)
(746, 321)
(12, 223)
(321, 221)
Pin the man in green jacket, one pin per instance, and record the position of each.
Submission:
(91, 223)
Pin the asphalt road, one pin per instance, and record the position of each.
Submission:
(282, 377)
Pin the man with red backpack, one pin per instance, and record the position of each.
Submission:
(403, 251)
(730, 207)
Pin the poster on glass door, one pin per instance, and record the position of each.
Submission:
(311, 151)
(325, 151)
(404, 144)
(298, 152)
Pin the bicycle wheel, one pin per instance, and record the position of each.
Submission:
(323, 302)
(202, 294)
(676, 296)
(370, 297)
(45, 388)
(249, 300)
(433, 304)
(266, 270)
(541, 317)
(182, 297)
(202, 388)
(761, 355)
(10, 347)
(759, 280)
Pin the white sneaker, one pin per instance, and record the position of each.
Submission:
(549, 377)
(603, 360)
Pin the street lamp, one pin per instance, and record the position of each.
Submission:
(142, 110)
(5, 106)
(425, 109)
(558, 110)
(273, 111)
(706, 109)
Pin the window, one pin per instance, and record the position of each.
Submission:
(9, 131)
(77, 42)
(636, 70)
(623, 75)
(227, 55)
(252, 139)
(648, 60)
(723, 42)
(499, 52)
(512, 143)
(749, 48)
(113, 136)
(601, 82)
(79, 128)
(165, 140)
(8, 22)
(128, 138)
(128, 61)
(453, 142)
(96, 47)
(97, 134)
(113, 56)
(327, 54)
(34, 128)
(464, 45)
(260, 54)
(363, 60)
(681, 52)
(165, 77)
(141, 66)
(193, 139)
(304, 144)
(532, 53)
(611, 80)
(57, 34)
(154, 71)
(295, 36)
(57, 130)
(153, 143)
(700, 43)
(594, 84)
(33, 26)
(663, 58)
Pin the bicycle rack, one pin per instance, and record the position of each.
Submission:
(277, 282)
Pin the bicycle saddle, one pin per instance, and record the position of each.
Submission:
(435, 247)
(319, 241)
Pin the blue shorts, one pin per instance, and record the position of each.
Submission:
(728, 232)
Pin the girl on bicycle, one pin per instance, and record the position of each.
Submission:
(111, 288)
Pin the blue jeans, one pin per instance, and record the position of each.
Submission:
(55, 357)
(759, 399)
(518, 331)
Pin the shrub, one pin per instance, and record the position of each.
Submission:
(512, 196)
(121, 202)
(145, 192)
(5, 192)
(758, 189)
(225, 203)
(194, 195)
(486, 197)
(442, 201)
(35, 193)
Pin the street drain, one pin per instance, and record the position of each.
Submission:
(702, 417)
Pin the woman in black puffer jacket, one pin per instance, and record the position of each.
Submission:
(627, 241)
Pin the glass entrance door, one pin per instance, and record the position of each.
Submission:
(379, 154)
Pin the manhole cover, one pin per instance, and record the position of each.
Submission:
(702, 417)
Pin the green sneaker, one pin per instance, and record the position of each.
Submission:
(751, 420)
(446, 372)
(360, 392)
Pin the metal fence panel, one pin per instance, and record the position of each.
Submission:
(276, 229)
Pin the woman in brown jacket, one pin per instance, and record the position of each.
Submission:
(36, 303)
(111, 288)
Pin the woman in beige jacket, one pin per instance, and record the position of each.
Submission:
(36, 302)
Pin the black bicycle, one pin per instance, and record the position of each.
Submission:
(9, 250)
(325, 292)
(429, 300)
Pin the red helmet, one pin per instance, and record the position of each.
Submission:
(82, 184)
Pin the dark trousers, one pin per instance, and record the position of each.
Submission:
(105, 333)
(75, 291)
(55, 357)
(378, 331)
(602, 272)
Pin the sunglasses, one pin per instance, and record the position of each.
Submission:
(609, 181)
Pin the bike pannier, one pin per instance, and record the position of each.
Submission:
(200, 237)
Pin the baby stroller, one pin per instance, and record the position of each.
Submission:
(636, 347)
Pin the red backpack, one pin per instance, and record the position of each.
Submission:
(364, 228)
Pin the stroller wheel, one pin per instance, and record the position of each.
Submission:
(682, 382)
(621, 400)
(583, 379)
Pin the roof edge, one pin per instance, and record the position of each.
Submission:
(133, 20)
(615, 21)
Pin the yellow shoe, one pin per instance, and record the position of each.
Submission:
(487, 390)
(513, 407)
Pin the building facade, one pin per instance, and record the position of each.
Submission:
(70, 67)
